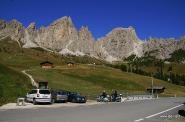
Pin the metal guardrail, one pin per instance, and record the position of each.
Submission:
(128, 96)
(140, 97)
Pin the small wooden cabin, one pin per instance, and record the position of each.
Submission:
(70, 64)
(46, 65)
(156, 89)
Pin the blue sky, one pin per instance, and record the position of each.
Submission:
(150, 18)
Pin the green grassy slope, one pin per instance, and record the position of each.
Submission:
(91, 81)
(12, 84)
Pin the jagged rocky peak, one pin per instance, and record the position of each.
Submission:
(30, 36)
(128, 33)
(84, 28)
(32, 26)
(59, 35)
(64, 21)
(14, 29)
(163, 47)
(63, 24)
(119, 43)
(86, 41)
(15, 25)
(85, 34)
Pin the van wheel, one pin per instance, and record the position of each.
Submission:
(34, 101)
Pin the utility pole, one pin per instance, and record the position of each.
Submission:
(152, 85)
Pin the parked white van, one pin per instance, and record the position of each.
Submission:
(39, 96)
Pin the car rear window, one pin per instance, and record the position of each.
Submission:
(62, 93)
(44, 91)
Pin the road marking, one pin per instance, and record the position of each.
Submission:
(163, 111)
(139, 120)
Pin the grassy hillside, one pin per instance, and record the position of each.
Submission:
(92, 80)
(14, 59)
(12, 84)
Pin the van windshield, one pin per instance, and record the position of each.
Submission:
(44, 91)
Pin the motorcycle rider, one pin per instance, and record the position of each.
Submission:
(104, 94)
(114, 95)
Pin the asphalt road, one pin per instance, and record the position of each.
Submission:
(157, 110)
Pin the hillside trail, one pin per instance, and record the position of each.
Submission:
(33, 82)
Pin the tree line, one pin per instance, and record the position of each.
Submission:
(136, 65)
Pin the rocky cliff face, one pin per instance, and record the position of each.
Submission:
(119, 43)
(164, 47)
(62, 36)
(30, 34)
(13, 29)
(86, 41)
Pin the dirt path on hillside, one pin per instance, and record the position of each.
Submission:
(33, 82)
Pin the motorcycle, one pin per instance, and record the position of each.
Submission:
(117, 98)
(103, 99)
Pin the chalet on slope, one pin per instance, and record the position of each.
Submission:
(156, 89)
(46, 65)
(70, 64)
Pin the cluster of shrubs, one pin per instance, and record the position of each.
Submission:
(172, 78)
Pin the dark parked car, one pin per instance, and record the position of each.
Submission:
(76, 98)
(59, 96)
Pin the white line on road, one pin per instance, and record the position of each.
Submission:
(163, 111)
(138, 120)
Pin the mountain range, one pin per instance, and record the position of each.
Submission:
(61, 36)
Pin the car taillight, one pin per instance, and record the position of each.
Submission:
(37, 95)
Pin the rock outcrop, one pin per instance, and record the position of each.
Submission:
(29, 39)
(164, 47)
(119, 43)
(62, 36)
(86, 41)
(13, 29)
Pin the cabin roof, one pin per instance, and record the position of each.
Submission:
(46, 62)
(156, 87)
